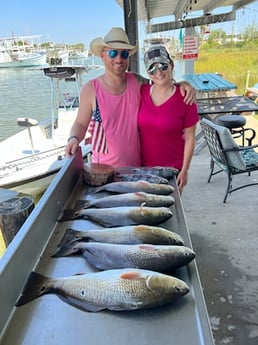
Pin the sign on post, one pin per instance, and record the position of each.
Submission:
(190, 47)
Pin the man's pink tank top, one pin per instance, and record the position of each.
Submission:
(119, 115)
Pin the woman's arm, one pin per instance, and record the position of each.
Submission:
(182, 177)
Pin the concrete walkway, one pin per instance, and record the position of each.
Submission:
(225, 239)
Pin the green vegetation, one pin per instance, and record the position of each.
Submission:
(232, 59)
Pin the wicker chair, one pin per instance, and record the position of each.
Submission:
(228, 156)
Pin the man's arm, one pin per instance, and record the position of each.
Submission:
(81, 123)
(186, 89)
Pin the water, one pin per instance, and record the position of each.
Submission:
(26, 92)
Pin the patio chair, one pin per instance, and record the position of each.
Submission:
(228, 156)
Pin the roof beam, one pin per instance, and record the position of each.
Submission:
(187, 23)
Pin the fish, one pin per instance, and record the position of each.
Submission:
(132, 234)
(116, 290)
(166, 172)
(140, 177)
(128, 199)
(135, 186)
(120, 216)
(106, 256)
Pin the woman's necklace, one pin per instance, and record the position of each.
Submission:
(161, 95)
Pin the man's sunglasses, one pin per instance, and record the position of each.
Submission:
(112, 53)
(161, 67)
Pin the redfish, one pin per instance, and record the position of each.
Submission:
(126, 289)
(132, 234)
(141, 177)
(106, 256)
(121, 216)
(166, 172)
(137, 186)
(128, 199)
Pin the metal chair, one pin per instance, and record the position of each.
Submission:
(235, 123)
(228, 156)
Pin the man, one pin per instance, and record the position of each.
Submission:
(112, 101)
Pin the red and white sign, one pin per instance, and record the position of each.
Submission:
(190, 47)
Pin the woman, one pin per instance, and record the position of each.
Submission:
(166, 123)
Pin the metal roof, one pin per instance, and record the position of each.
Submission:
(186, 13)
(180, 9)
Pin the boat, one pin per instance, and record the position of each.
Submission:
(57, 55)
(21, 51)
(30, 158)
(75, 55)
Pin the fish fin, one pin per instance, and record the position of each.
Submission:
(132, 275)
(147, 247)
(81, 305)
(143, 182)
(66, 250)
(140, 193)
(34, 288)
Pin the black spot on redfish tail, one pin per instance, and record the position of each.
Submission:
(34, 288)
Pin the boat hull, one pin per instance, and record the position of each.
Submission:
(36, 60)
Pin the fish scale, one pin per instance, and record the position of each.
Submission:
(121, 216)
(126, 289)
(125, 235)
(135, 186)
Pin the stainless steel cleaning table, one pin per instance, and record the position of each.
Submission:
(48, 320)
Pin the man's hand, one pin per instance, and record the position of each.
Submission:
(72, 146)
(188, 92)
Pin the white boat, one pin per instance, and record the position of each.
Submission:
(30, 158)
(75, 55)
(21, 51)
(57, 55)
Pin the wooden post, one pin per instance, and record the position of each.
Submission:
(13, 213)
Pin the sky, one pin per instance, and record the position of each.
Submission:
(80, 21)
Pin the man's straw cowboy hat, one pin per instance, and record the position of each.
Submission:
(116, 38)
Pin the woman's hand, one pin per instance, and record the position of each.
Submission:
(182, 179)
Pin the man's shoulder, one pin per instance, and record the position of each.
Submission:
(141, 80)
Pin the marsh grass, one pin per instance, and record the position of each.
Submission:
(233, 65)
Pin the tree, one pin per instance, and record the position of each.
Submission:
(250, 33)
(217, 35)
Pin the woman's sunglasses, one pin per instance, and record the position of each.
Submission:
(161, 67)
(112, 53)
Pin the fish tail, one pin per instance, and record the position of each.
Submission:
(66, 251)
(94, 190)
(34, 288)
(70, 236)
(81, 204)
(67, 215)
